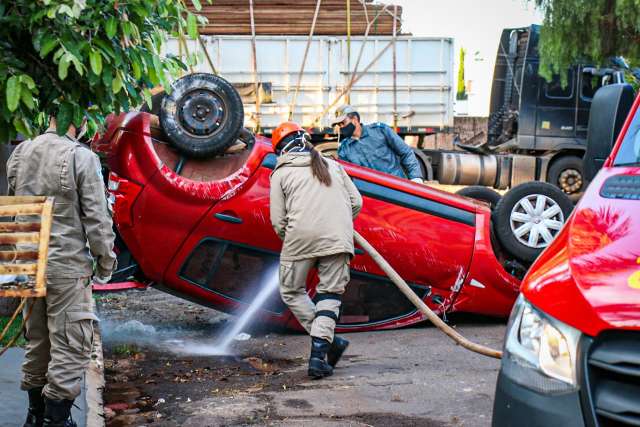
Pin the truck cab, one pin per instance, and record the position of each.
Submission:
(536, 130)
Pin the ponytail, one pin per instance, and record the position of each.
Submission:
(319, 166)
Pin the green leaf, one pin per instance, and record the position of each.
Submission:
(27, 98)
(13, 93)
(64, 117)
(111, 27)
(63, 66)
(192, 26)
(28, 81)
(197, 5)
(77, 64)
(48, 45)
(22, 126)
(147, 97)
(116, 84)
(136, 68)
(96, 62)
(78, 115)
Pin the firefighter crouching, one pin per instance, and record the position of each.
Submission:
(60, 330)
(313, 204)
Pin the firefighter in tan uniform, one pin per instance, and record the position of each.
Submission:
(313, 204)
(60, 330)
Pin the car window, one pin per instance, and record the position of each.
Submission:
(629, 153)
(233, 271)
(371, 299)
(554, 89)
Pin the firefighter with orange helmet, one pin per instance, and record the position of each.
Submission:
(313, 204)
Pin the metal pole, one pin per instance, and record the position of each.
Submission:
(304, 59)
(348, 98)
(254, 63)
(395, 74)
(206, 54)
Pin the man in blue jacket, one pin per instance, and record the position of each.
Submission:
(375, 146)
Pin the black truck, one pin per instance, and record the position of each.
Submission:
(537, 130)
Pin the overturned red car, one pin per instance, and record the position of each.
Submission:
(199, 228)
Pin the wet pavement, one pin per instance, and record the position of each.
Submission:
(13, 401)
(408, 377)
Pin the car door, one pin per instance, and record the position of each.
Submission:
(233, 251)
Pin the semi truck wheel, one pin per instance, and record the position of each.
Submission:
(203, 115)
(484, 194)
(567, 173)
(528, 217)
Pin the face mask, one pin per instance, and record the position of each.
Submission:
(347, 131)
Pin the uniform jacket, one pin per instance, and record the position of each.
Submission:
(380, 148)
(313, 219)
(81, 231)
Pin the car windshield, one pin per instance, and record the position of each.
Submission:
(629, 153)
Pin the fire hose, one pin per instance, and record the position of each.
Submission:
(420, 305)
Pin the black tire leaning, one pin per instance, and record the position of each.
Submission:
(484, 194)
(501, 216)
(219, 126)
(562, 164)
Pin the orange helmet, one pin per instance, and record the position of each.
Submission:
(283, 130)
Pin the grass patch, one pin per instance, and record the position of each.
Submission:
(126, 350)
(14, 329)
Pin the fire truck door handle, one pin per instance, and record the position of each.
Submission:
(228, 217)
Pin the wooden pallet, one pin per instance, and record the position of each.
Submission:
(30, 263)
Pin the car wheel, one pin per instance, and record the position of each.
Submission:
(484, 194)
(202, 115)
(528, 217)
(567, 173)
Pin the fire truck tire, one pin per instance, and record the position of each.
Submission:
(528, 217)
(202, 116)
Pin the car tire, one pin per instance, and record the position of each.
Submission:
(484, 194)
(567, 173)
(202, 115)
(528, 217)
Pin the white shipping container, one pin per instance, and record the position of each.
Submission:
(424, 78)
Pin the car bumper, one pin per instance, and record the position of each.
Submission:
(515, 405)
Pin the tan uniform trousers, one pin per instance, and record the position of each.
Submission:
(59, 338)
(319, 320)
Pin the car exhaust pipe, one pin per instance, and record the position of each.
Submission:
(420, 305)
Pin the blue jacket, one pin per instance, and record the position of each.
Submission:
(380, 148)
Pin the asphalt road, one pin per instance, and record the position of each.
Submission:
(408, 377)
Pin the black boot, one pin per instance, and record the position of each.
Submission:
(35, 415)
(57, 413)
(318, 366)
(338, 346)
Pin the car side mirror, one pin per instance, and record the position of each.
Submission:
(609, 109)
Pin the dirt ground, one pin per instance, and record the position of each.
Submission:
(156, 372)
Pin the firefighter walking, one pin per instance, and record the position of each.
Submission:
(60, 330)
(313, 204)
